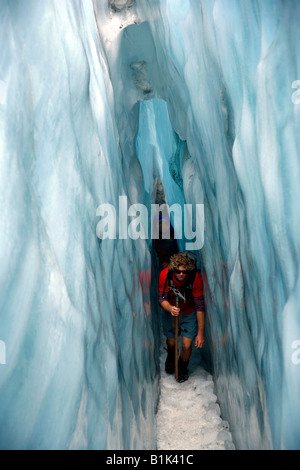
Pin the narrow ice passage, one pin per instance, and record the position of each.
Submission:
(99, 100)
(188, 415)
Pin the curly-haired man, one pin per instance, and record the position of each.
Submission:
(182, 280)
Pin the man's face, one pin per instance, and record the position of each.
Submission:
(181, 273)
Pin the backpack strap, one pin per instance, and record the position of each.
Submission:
(192, 279)
(169, 278)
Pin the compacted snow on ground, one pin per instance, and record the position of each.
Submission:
(188, 416)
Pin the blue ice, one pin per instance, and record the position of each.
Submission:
(100, 99)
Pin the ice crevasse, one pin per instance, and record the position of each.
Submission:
(101, 99)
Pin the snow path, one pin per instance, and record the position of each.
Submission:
(188, 416)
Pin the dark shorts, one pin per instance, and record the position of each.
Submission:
(188, 325)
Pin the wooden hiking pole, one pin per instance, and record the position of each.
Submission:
(176, 340)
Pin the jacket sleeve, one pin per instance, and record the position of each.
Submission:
(198, 293)
(161, 284)
(160, 297)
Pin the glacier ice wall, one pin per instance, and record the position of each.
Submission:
(82, 120)
(81, 367)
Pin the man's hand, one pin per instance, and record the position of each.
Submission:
(175, 311)
(199, 341)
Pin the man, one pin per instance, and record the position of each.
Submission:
(181, 280)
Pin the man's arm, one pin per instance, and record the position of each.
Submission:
(200, 340)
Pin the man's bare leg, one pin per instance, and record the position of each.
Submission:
(186, 351)
(170, 361)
